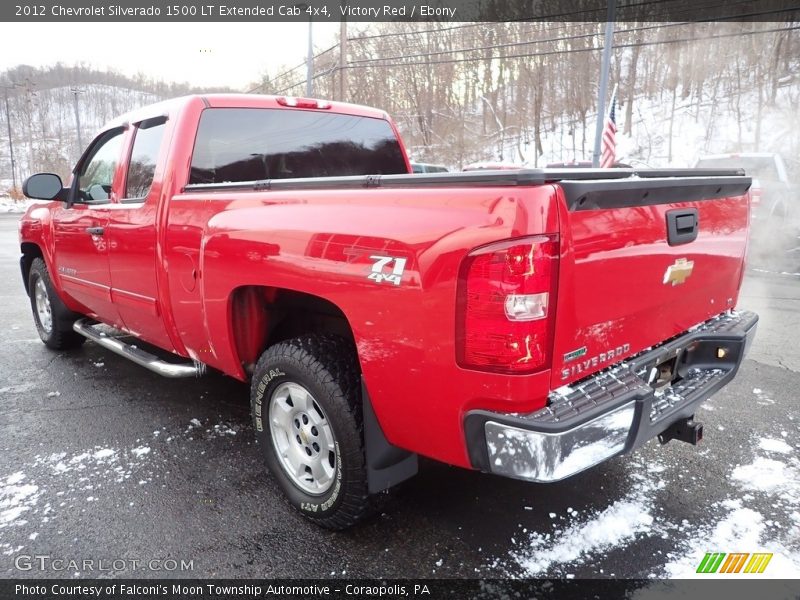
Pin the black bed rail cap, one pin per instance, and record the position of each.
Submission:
(488, 177)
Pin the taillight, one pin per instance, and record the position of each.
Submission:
(755, 196)
(506, 301)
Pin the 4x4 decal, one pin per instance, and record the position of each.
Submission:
(378, 275)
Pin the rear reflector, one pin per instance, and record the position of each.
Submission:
(505, 300)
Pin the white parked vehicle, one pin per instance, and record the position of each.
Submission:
(774, 197)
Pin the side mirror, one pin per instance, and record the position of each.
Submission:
(44, 186)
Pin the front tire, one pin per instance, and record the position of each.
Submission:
(306, 405)
(52, 318)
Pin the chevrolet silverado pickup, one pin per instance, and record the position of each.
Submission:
(529, 323)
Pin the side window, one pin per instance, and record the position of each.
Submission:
(144, 155)
(97, 173)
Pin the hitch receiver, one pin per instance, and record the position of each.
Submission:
(685, 430)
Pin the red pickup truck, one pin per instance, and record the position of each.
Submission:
(529, 323)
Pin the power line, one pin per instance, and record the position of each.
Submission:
(489, 47)
(477, 48)
(555, 16)
(368, 63)
(352, 65)
(567, 38)
(302, 64)
(564, 26)
(526, 19)
(317, 76)
(415, 32)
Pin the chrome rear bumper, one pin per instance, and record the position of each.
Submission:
(614, 411)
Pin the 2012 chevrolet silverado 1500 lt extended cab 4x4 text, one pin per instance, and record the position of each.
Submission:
(528, 323)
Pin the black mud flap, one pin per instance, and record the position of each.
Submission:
(387, 465)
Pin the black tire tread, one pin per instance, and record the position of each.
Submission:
(332, 360)
(62, 337)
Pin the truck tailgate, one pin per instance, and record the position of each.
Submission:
(643, 260)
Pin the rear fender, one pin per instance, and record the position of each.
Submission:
(388, 259)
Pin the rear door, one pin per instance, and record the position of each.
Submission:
(643, 260)
(79, 231)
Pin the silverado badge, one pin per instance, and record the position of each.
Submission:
(678, 272)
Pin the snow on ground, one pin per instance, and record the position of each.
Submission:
(49, 485)
(733, 525)
(585, 537)
(16, 498)
(771, 272)
(775, 445)
(620, 523)
(218, 430)
(774, 474)
(9, 205)
(699, 128)
(35, 494)
(762, 397)
(741, 530)
(222, 430)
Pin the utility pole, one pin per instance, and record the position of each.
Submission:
(601, 93)
(10, 144)
(342, 59)
(75, 91)
(310, 61)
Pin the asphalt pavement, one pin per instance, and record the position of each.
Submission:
(102, 460)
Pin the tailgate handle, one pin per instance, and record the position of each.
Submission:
(682, 226)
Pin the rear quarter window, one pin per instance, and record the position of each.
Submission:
(249, 144)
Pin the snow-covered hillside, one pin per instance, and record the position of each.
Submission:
(727, 124)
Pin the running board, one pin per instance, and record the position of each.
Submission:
(149, 361)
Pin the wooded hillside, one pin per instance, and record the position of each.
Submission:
(480, 91)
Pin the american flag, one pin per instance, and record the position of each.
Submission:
(608, 155)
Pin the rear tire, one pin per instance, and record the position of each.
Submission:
(305, 399)
(52, 318)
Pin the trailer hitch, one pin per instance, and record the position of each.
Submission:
(685, 430)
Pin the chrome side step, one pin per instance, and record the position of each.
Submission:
(149, 361)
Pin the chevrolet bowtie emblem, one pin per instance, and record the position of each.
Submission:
(678, 272)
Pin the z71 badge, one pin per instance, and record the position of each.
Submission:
(378, 275)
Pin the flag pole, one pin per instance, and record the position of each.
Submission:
(603, 90)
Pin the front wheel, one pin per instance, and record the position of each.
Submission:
(306, 405)
(52, 318)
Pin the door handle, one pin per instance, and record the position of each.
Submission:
(95, 230)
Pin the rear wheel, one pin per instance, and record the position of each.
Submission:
(52, 318)
(307, 412)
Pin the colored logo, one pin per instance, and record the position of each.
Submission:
(574, 354)
(736, 562)
(678, 272)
